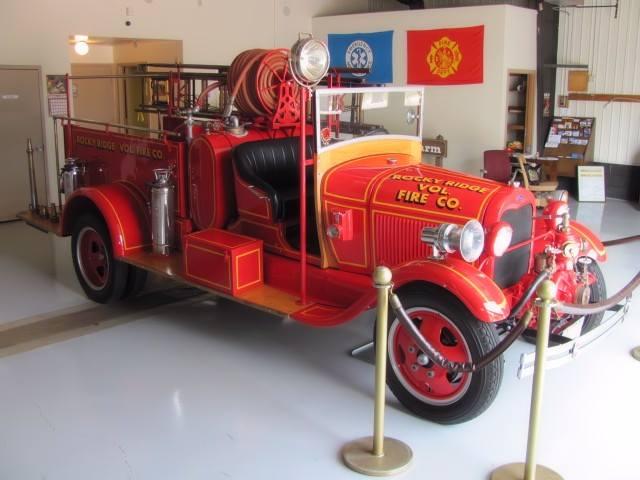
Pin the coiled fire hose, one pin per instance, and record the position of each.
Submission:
(254, 79)
(569, 308)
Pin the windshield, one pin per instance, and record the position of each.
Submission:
(356, 114)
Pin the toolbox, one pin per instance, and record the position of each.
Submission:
(222, 260)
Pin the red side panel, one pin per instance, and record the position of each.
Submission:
(252, 202)
(109, 157)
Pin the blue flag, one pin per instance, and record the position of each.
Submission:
(364, 50)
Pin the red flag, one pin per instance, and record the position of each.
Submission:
(447, 56)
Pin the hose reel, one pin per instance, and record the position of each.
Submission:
(256, 79)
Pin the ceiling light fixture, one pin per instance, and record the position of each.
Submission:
(81, 45)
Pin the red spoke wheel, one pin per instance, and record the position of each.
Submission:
(426, 380)
(431, 391)
(101, 276)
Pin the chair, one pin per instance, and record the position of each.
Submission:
(497, 166)
(538, 188)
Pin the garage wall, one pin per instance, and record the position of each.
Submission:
(611, 48)
(471, 117)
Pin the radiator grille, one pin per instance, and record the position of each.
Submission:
(509, 269)
(397, 239)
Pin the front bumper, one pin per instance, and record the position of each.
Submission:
(568, 351)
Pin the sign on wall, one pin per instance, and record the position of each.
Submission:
(447, 56)
(364, 50)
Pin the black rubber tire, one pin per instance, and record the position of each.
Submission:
(118, 271)
(136, 280)
(480, 338)
(598, 293)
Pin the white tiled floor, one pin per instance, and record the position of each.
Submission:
(221, 391)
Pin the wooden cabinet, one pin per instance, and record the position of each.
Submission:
(521, 88)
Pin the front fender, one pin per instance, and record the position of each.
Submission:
(479, 293)
(595, 248)
(123, 209)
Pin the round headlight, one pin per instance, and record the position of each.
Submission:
(500, 238)
(309, 61)
(471, 241)
(448, 237)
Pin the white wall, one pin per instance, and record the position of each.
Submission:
(611, 48)
(471, 117)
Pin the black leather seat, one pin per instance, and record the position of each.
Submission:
(272, 166)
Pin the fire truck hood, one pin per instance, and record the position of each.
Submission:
(433, 190)
(427, 192)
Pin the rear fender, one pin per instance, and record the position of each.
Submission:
(479, 293)
(594, 247)
(123, 209)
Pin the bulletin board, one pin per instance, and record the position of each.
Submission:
(570, 139)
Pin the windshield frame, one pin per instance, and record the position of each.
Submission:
(351, 90)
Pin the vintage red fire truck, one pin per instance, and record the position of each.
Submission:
(288, 201)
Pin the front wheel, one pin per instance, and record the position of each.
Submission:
(427, 390)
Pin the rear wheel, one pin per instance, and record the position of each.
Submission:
(101, 276)
(136, 280)
(427, 390)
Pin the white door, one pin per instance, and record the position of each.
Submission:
(20, 118)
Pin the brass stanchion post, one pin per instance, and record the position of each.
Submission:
(379, 455)
(530, 470)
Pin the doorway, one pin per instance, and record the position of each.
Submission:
(111, 98)
(20, 118)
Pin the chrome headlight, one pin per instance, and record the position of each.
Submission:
(448, 237)
(309, 61)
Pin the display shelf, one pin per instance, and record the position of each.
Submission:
(520, 107)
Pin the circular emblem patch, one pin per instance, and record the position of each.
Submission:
(444, 57)
(359, 55)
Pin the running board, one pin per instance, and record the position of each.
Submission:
(263, 297)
